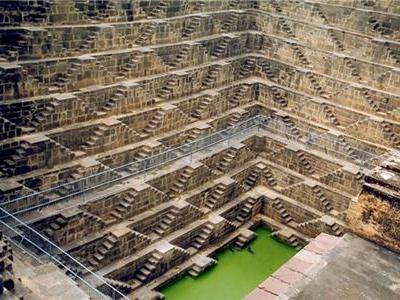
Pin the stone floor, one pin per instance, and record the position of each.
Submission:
(335, 268)
(42, 281)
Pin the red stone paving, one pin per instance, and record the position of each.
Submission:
(286, 275)
(298, 265)
(308, 256)
(259, 294)
(274, 286)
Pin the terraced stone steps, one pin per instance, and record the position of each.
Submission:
(246, 210)
(180, 184)
(194, 23)
(123, 207)
(226, 160)
(102, 251)
(211, 76)
(221, 47)
(238, 95)
(166, 221)
(230, 21)
(247, 67)
(149, 267)
(286, 218)
(216, 196)
(202, 107)
(253, 178)
(201, 239)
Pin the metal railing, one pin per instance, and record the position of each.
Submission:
(40, 199)
(25, 237)
(59, 193)
(33, 241)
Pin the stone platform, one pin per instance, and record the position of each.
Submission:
(335, 268)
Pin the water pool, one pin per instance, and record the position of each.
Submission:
(237, 273)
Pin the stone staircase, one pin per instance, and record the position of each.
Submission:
(62, 81)
(201, 239)
(143, 274)
(101, 252)
(287, 121)
(155, 122)
(353, 70)
(221, 47)
(372, 104)
(269, 176)
(275, 4)
(167, 220)
(8, 166)
(233, 4)
(316, 86)
(328, 112)
(191, 27)
(59, 223)
(168, 88)
(300, 55)
(337, 43)
(180, 184)
(146, 31)
(123, 207)
(39, 120)
(229, 22)
(144, 152)
(246, 210)
(89, 42)
(266, 69)
(96, 137)
(234, 119)
(198, 5)
(252, 179)
(285, 216)
(193, 135)
(325, 203)
(277, 96)
(113, 101)
(310, 228)
(214, 198)
(317, 10)
(212, 76)
(336, 229)
(160, 10)
(349, 150)
(182, 55)
(286, 28)
(390, 133)
(304, 161)
(248, 67)
(226, 160)
(129, 67)
(202, 107)
(234, 101)
(121, 286)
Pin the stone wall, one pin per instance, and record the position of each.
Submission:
(375, 213)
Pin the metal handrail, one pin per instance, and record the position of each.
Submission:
(249, 124)
(259, 121)
(56, 260)
(172, 155)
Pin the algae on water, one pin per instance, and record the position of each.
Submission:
(237, 272)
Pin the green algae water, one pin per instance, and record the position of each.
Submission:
(237, 273)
